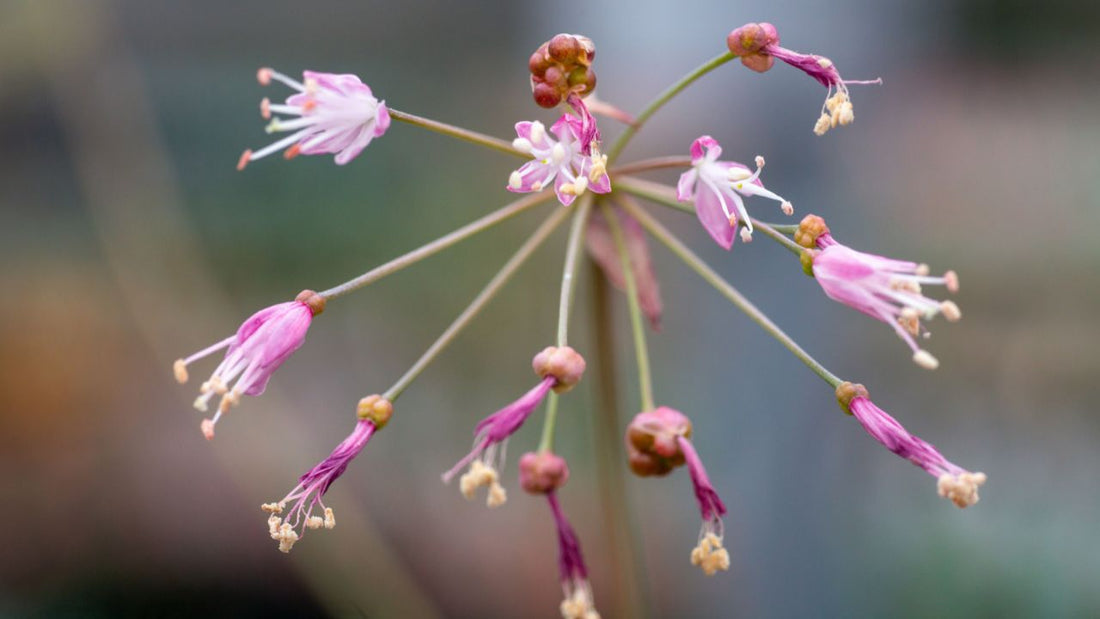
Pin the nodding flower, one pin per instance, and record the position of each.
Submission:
(560, 368)
(572, 164)
(716, 188)
(259, 347)
(336, 114)
(757, 45)
(953, 482)
(577, 591)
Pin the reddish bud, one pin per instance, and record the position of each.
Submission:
(651, 441)
(563, 363)
(541, 473)
(546, 95)
(564, 48)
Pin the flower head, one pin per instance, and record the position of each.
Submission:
(601, 246)
(658, 441)
(577, 602)
(574, 165)
(717, 186)
(374, 413)
(562, 67)
(259, 347)
(883, 288)
(757, 45)
(953, 482)
(335, 114)
(559, 368)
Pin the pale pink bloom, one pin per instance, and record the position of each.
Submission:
(259, 347)
(953, 482)
(572, 165)
(578, 602)
(335, 114)
(716, 188)
(601, 246)
(758, 45)
(886, 289)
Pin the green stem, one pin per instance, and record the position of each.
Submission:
(437, 245)
(547, 441)
(569, 271)
(458, 132)
(656, 163)
(645, 381)
(664, 98)
(479, 302)
(666, 196)
(727, 290)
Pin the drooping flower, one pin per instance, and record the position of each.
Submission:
(560, 368)
(716, 188)
(374, 413)
(335, 114)
(601, 246)
(259, 347)
(577, 602)
(883, 288)
(757, 45)
(657, 441)
(953, 482)
(564, 161)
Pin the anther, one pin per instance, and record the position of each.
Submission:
(207, 427)
(292, 152)
(263, 76)
(245, 157)
(788, 208)
(179, 368)
(951, 280)
(950, 311)
(759, 161)
(746, 236)
(925, 359)
(265, 108)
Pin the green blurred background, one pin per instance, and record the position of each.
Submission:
(129, 239)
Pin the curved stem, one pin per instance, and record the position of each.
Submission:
(664, 98)
(656, 163)
(568, 276)
(727, 290)
(773, 234)
(437, 245)
(479, 302)
(637, 326)
(458, 132)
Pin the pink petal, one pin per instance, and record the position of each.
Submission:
(702, 146)
(685, 188)
(708, 208)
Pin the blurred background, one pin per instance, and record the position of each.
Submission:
(128, 239)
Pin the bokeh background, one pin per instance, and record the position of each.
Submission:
(128, 239)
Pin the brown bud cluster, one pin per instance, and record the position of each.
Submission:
(847, 392)
(811, 227)
(560, 67)
(314, 301)
(748, 43)
(542, 473)
(376, 409)
(563, 363)
(652, 441)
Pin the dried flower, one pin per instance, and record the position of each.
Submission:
(577, 602)
(564, 161)
(717, 186)
(258, 348)
(336, 114)
(953, 482)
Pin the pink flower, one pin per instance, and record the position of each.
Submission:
(259, 347)
(717, 187)
(657, 442)
(883, 288)
(953, 482)
(601, 246)
(578, 603)
(573, 165)
(374, 413)
(560, 368)
(757, 45)
(336, 114)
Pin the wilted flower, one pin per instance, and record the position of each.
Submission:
(601, 246)
(259, 347)
(717, 187)
(953, 482)
(563, 161)
(578, 602)
(336, 114)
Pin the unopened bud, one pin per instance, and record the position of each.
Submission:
(563, 363)
(564, 48)
(314, 301)
(847, 392)
(546, 95)
(376, 409)
(652, 441)
(561, 67)
(541, 473)
(811, 227)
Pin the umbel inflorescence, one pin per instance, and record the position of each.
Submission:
(565, 162)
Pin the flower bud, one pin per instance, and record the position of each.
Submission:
(563, 363)
(809, 229)
(376, 409)
(564, 48)
(562, 67)
(546, 95)
(543, 472)
(651, 441)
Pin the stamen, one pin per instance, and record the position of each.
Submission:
(246, 156)
(950, 311)
(292, 152)
(515, 180)
(538, 132)
(265, 108)
(557, 154)
(207, 427)
(709, 555)
(263, 76)
(330, 518)
(788, 208)
(522, 145)
(925, 359)
(746, 235)
(179, 368)
(951, 281)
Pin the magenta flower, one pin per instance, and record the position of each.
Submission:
(953, 482)
(657, 442)
(717, 187)
(259, 347)
(578, 602)
(758, 46)
(601, 246)
(573, 165)
(883, 288)
(336, 114)
(560, 368)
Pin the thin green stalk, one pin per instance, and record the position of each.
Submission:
(727, 290)
(458, 132)
(656, 163)
(665, 196)
(506, 272)
(664, 98)
(637, 326)
(437, 245)
(569, 271)
(546, 443)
